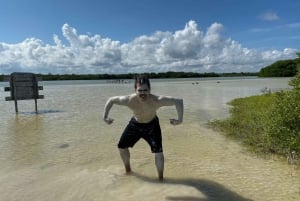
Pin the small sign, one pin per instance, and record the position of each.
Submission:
(23, 86)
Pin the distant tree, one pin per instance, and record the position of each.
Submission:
(285, 68)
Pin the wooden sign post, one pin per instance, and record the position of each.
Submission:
(23, 86)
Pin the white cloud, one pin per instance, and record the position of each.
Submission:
(269, 16)
(290, 27)
(293, 25)
(183, 44)
(189, 49)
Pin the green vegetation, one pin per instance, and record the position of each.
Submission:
(169, 74)
(248, 120)
(268, 123)
(285, 68)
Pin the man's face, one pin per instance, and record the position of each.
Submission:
(142, 91)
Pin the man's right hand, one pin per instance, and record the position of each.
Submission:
(108, 120)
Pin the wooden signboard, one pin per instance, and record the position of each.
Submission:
(23, 86)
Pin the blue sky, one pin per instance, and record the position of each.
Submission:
(121, 36)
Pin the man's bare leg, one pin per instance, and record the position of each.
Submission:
(159, 162)
(125, 156)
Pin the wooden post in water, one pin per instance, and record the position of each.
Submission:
(23, 86)
(16, 106)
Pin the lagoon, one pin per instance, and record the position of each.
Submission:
(67, 153)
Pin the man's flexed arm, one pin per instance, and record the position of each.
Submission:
(179, 108)
(178, 102)
(119, 100)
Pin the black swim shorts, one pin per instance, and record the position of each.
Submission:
(150, 132)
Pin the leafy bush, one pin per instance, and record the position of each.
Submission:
(268, 123)
(249, 121)
(295, 83)
(284, 130)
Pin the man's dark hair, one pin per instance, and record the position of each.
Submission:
(141, 79)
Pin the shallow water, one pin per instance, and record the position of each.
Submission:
(67, 153)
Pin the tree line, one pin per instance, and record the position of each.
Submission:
(283, 68)
(152, 75)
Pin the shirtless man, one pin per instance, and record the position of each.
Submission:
(144, 123)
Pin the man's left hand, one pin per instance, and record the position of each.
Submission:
(175, 122)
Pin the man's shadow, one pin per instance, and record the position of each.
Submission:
(213, 191)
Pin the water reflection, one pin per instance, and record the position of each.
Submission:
(39, 112)
(25, 136)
